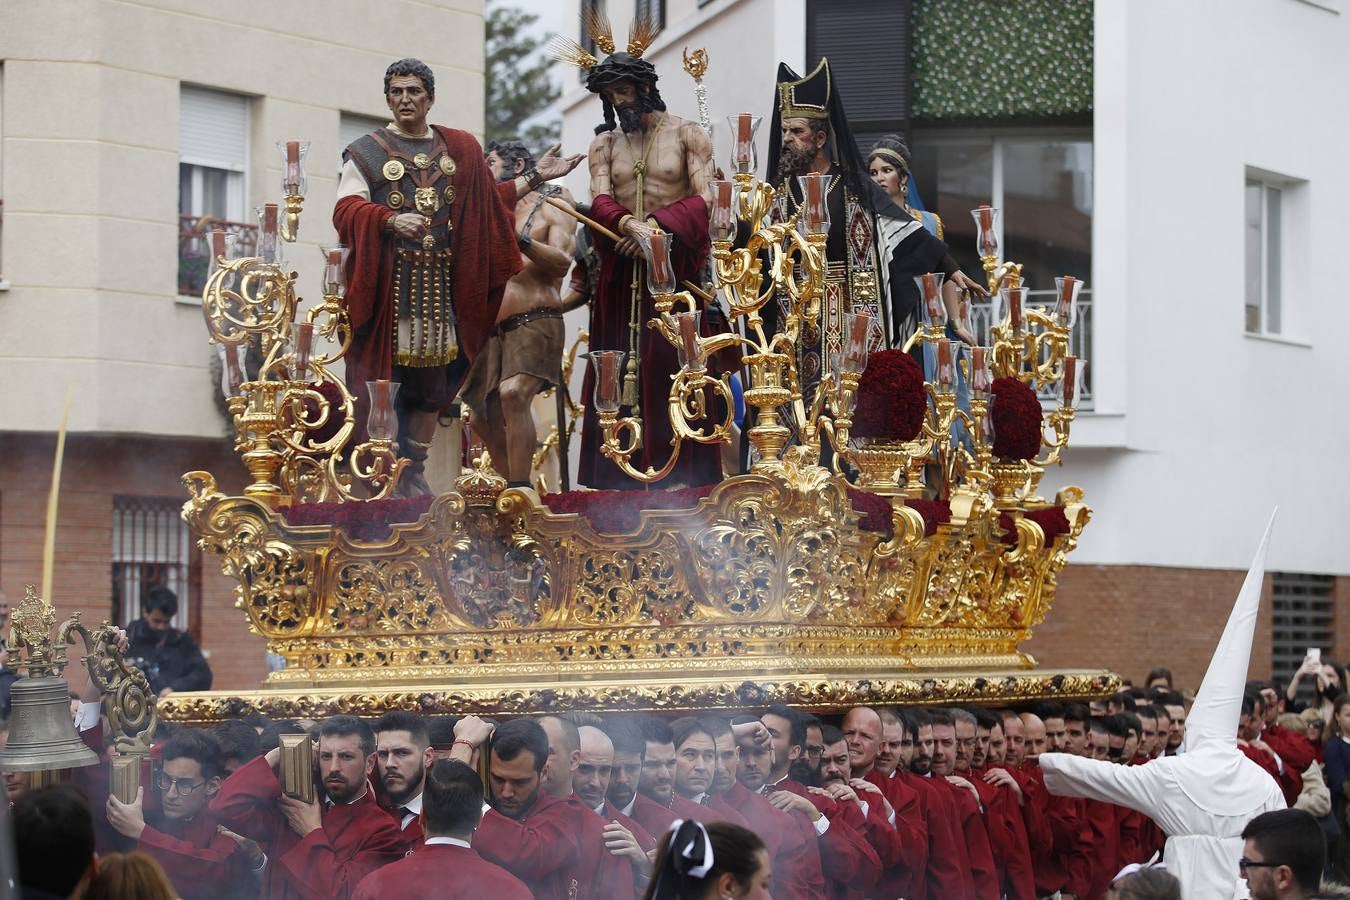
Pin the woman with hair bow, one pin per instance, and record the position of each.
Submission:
(718, 862)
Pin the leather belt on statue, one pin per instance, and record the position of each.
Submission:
(511, 323)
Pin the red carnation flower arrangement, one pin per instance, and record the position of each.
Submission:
(891, 400)
(1016, 412)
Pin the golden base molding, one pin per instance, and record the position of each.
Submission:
(747, 690)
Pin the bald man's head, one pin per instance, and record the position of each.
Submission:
(564, 752)
(862, 733)
(590, 778)
(1033, 730)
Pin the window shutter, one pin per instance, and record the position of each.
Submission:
(352, 126)
(869, 48)
(213, 129)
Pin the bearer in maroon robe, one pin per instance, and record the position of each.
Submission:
(182, 835)
(446, 866)
(319, 850)
(650, 174)
(530, 834)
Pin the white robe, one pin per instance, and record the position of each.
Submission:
(1201, 800)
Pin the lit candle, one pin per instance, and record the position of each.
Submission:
(1064, 310)
(689, 336)
(1070, 379)
(292, 167)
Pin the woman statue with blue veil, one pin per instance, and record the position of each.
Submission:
(888, 165)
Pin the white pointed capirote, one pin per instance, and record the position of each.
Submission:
(1204, 797)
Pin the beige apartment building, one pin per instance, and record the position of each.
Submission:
(126, 131)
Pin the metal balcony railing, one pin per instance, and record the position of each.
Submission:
(194, 248)
(1081, 340)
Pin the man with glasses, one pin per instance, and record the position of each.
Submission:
(182, 836)
(1283, 855)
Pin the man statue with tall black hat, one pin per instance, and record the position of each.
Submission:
(874, 249)
(650, 172)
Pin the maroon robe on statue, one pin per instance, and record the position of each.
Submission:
(201, 862)
(326, 864)
(687, 222)
(483, 241)
(543, 849)
(442, 872)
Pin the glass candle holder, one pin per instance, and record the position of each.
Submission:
(224, 245)
(1011, 303)
(335, 269)
(269, 239)
(986, 230)
(294, 182)
(660, 270)
(857, 342)
(722, 221)
(608, 377)
(744, 159)
(815, 210)
(233, 369)
(1066, 300)
(689, 349)
(303, 338)
(930, 299)
(1071, 385)
(382, 422)
(980, 379)
(946, 365)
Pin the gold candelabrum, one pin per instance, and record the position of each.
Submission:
(784, 259)
(294, 420)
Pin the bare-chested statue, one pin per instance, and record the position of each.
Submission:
(671, 158)
(523, 356)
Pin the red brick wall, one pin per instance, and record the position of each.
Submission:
(1132, 618)
(96, 469)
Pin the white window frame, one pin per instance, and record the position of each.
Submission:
(234, 163)
(1272, 291)
(1084, 337)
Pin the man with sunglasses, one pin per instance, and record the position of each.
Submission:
(183, 836)
(1283, 855)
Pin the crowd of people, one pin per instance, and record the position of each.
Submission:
(874, 803)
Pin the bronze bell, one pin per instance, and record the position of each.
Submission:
(41, 734)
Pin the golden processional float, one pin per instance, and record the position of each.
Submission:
(787, 585)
